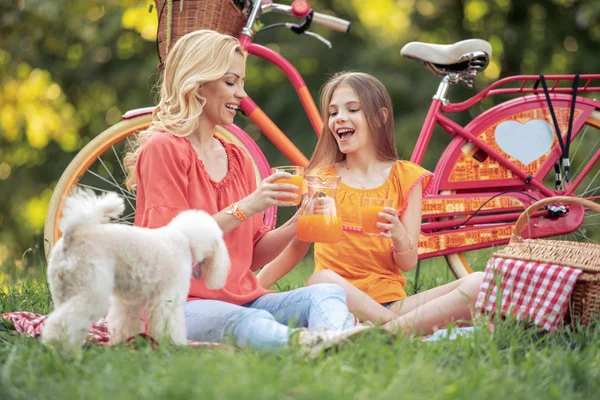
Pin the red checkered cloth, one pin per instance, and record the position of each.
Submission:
(31, 324)
(530, 290)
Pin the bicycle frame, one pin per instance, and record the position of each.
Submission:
(492, 229)
(485, 231)
(262, 121)
(441, 237)
(488, 211)
(438, 109)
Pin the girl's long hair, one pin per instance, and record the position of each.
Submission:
(373, 98)
(198, 57)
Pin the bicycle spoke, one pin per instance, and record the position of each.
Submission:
(587, 189)
(581, 139)
(584, 237)
(126, 193)
(128, 217)
(118, 186)
(592, 194)
(103, 179)
(130, 196)
(584, 233)
(122, 221)
(119, 160)
(587, 157)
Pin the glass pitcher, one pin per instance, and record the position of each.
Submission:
(319, 220)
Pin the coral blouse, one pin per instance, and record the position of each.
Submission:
(172, 179)
(367, 261)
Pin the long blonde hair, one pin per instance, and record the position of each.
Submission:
(198, 57)
(373, 97)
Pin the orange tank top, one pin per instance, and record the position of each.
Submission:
(363, 260)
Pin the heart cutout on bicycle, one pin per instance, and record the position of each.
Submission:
(525, 142)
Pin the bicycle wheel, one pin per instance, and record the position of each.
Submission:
(584, 154)
(98, 166)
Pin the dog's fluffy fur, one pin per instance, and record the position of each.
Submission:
(99, 267)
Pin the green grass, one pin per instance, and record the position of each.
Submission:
(510, 362)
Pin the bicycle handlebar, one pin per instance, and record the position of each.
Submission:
(328, 21)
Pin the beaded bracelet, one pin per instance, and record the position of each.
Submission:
(234, 210)
(410, 246)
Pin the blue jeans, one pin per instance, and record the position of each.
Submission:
(268, 322)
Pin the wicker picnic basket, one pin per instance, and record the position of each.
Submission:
(585, 299)
(192, 15)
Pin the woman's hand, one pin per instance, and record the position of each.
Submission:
(269, 194)
(393, 228)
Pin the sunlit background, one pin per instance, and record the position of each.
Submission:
(69, 70)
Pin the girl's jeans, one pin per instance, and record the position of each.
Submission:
(267, 322)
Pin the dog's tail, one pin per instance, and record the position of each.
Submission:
(84, 208)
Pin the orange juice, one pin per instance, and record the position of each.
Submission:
(369, 218)
(319, 228)
(294, 180)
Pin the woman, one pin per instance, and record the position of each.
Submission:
(357, 143)
(180, 165)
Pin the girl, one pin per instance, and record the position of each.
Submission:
(357, 143)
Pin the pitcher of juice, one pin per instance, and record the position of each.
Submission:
(319, 220)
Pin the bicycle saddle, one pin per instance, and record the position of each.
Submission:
(445, 54)
(463, 59)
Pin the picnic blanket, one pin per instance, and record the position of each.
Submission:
(539, 292)
(31, 324)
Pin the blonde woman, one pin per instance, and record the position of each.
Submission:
(357, 143)
(180, 165)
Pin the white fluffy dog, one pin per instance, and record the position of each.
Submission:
(99, 267)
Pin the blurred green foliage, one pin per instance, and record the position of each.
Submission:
(69, 69)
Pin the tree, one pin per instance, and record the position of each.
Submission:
(68, 70)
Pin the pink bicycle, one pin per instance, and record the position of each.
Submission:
(541, 143)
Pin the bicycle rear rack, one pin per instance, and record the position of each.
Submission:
(529, 84)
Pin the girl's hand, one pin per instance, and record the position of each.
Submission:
(269, 194)
(393, 227)
(319, 204)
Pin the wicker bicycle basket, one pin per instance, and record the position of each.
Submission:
(585, 299)
(192, 15)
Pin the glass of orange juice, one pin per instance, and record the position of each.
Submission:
(297, 179)
(370, 207)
